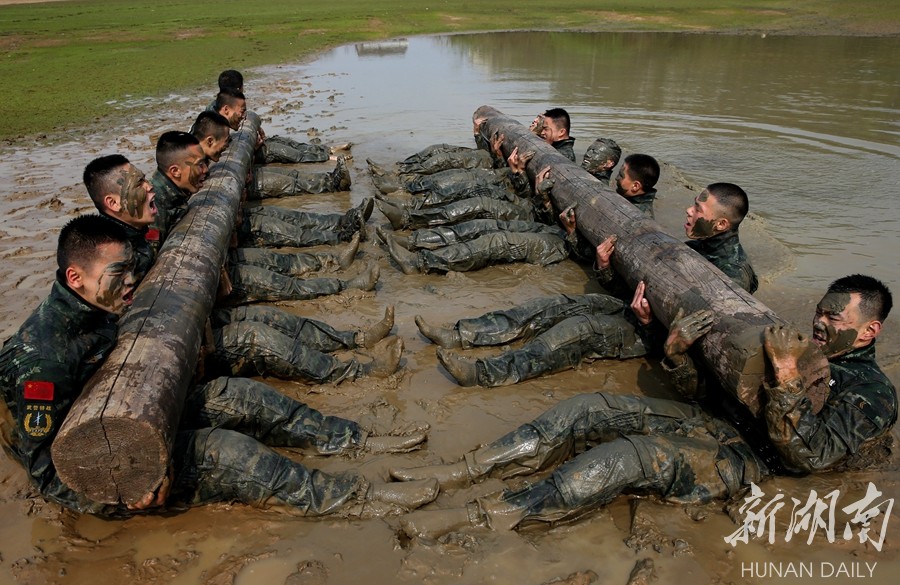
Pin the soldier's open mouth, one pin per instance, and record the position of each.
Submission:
(128, 297)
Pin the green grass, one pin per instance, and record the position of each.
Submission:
(61, 63)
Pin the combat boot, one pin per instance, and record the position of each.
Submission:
(396, 443)
(409, 262)
(463, 370)
(378, 331)
(384, 181)
(410, 495)
(345, 258)
(445, 337)
(364, 280)
(398, 216)
(385, 358)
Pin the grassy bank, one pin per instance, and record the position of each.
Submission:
(64, 63)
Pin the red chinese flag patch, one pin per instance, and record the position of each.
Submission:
(36, 390)
(152, 235)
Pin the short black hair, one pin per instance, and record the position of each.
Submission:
(643, 168)
(81, 237)
(875, 297)
(171, 146)
(228, 97)
(732, 199)
(231, 79)
(210, 124)
(559, 116)
(99, 177)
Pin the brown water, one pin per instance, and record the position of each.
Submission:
(804, 124)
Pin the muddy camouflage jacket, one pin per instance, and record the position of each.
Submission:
(644, 202)
(566, 148)
(861, 407)
(726, 253)
(43, 368)
(171, 205)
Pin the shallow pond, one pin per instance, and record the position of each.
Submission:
(808, 126)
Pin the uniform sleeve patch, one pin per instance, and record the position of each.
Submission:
(152, 235)
(38, 390)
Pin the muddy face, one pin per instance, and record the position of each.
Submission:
(136, 196)
(702, 217)
(108, 282)
(194, 169)
(626, 186)
(214, 147)
(838, 324)
(235, 114)
(551, 132)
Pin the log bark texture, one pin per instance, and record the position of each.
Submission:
(115, 443)
(676, 276)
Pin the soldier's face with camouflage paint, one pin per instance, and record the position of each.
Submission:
(704, 217)
(235, 114)
(193, 170)
(136, 199)
(626, 185)
(551, 132)
(213, 147)
(107, 282)
(839, 325)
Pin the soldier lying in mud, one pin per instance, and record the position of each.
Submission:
(221, 452)
(677, 450)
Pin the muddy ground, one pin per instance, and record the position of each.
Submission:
(221, 544)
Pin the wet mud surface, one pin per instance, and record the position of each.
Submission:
(631, 540)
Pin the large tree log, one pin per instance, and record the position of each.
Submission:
(676, 276)
(115, 443)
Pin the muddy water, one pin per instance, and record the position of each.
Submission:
(805, 125)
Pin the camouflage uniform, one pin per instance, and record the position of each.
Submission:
(726, 253)
(680, 453)
(275, 227)
(271, 182)
(278, 149)
(264, 341)
(288, 264)
(43, 369)
(495, 248)
(250, 283)
(569, 329)
(445, 235)
(441, 157)
(171, 205)
(223, 454)
(468, 209)
(565, 147)
(644, 202)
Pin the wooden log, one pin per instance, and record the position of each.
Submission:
(115, 443)
(675, 275)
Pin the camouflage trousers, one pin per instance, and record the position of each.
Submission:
(468, 209)
(561, 347)
(532, 318)
(446, 235)
(276, 227)
(441, 157)
(454, 181)
(250, 284)
(264, 341)
(279, 149)
(222, 453)
(495, 248)
(271, 182)
(662, 447)
(288, 264)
